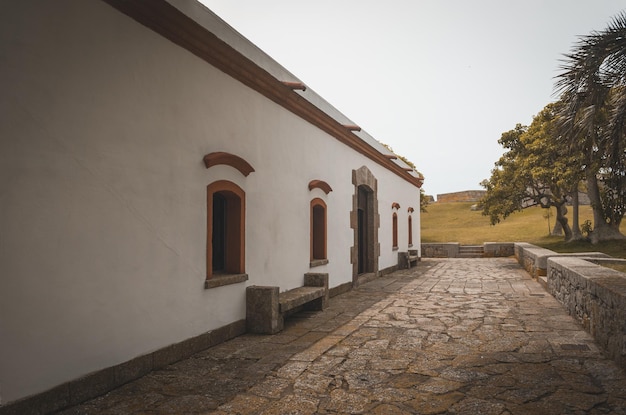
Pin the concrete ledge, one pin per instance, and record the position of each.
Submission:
(317, 263)
(225, 279)
(534, 259)
(596, 297)
(102, 381)
(606, 261)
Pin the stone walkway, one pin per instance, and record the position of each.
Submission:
(454, 336)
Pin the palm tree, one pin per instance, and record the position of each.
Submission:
(593, 120)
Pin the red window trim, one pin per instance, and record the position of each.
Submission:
(220, 157)
(236, 245)
(394, 226)
(318, 202)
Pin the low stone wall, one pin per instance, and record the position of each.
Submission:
(596, 297)
(441, 250)
(453, 249)
(499, 249)
(534, 259)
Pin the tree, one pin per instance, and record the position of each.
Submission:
(534, 171)
(424, 202)
(593, 121)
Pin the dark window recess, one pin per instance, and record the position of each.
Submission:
(394, 226)
(319, 232)
(219, 232)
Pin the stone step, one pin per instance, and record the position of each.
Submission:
(471, 251)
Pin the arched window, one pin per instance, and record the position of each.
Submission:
(394, 225)
(318, 230)
(226, 207)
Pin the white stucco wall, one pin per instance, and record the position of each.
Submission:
(103, 126)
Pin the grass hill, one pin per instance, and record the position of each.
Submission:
(455, 222)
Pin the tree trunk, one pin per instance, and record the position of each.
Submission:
(561, 211)
(557, 229)
(577, 235)
(602, 231)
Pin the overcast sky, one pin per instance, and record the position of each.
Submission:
(437, 80)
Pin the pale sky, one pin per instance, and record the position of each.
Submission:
(437, 80)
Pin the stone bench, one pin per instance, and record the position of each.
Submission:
(413, 257)
(407, 259)
(267, 307)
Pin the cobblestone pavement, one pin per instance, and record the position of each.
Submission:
(453, 336)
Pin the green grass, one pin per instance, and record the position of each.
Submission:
(455, 222)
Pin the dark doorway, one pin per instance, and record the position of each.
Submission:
(364, 227)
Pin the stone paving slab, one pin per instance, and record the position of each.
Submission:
(451, 336)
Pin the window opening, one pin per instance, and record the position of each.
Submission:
(225, 229)
(219, 232)
(410, 231)
(394, 225)
(318, 229)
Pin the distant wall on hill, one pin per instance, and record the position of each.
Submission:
(476, 195)
(465, 196)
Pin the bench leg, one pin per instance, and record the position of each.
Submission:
(403, 260)
(262, 310)
(317, 279)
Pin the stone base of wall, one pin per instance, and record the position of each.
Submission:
(387, 270)
(340, 289)
(100, 382)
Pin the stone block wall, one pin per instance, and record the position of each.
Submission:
(465, 196)
(441, 250)
(453, 249)
(498, 249)
(533, 258)
(596, 297)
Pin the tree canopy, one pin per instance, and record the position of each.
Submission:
(534, 171)
(582, 136)
(593, 120)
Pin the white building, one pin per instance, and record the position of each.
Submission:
(153, 164)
